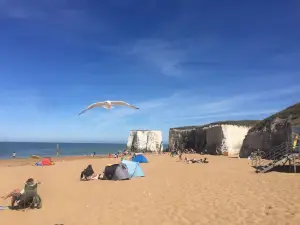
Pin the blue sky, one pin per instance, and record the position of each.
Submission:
(182, 62)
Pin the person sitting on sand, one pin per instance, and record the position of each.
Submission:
(205, 160)
(88, 174)
(17, 193)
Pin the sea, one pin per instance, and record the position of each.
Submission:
(26, 149)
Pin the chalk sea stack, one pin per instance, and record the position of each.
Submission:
(144, 141)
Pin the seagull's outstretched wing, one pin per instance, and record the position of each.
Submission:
(122, 103)
(94, 105)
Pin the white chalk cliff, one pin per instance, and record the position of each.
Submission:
(215, 139)
(226, 138)
(233, 138)
(144, 141)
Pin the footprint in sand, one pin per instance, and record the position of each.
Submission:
(268, 211)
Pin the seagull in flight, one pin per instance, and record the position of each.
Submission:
(108, 105)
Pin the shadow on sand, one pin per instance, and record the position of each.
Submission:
(286, 169)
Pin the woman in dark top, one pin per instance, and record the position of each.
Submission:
(87, 173)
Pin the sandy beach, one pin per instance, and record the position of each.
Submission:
(224, 191)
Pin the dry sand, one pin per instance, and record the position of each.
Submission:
(225, 191)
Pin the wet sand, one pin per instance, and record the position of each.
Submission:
(224, 191)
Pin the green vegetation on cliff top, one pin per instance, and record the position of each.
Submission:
(258, 125)
(228, 122)
(293, 110)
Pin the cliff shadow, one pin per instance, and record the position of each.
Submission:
(286, 169)
(214, 138)
(200, 140)
(267, 137)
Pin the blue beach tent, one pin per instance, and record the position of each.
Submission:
(134, 169)
(140, 159)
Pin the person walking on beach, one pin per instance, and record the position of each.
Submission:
(161, 147)
(180, 155)
(57, 150)
(14, 154)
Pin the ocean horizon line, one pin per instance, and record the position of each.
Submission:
(26, 149)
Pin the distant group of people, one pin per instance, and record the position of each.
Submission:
(187, 160)
(119, 154)
(185, 151)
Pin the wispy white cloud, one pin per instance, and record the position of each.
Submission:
(227, 115)
(183, 57)
(61, 21)
(160, 54)
(191, 106)
(18, 9)
(202, 56)
(27, 110)
(108, 117)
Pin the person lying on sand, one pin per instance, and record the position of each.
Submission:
(88, 174)
(187, 160)
(17, 193)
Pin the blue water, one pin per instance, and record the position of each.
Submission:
(26, 149)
